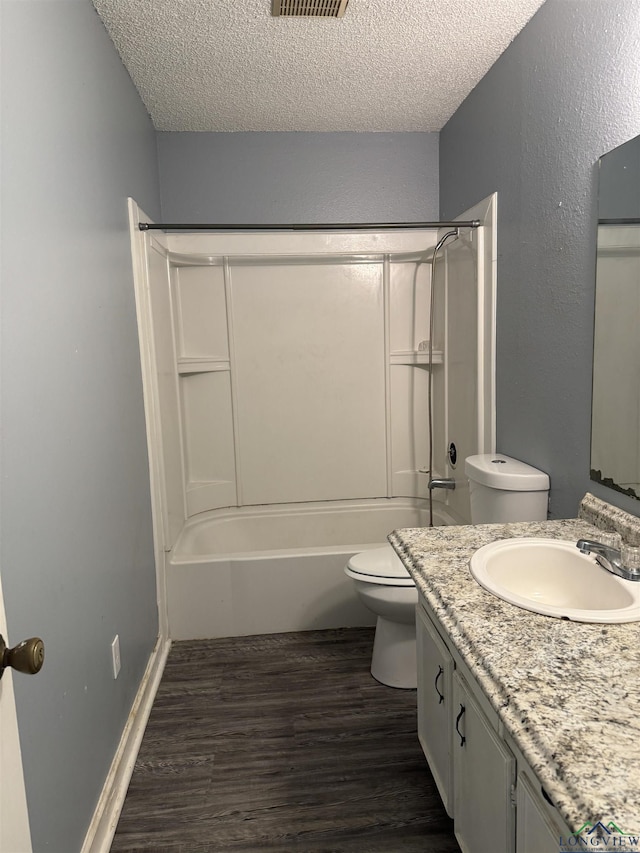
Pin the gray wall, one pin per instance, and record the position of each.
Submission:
(268, 178)
(564, 92)
(76, 541)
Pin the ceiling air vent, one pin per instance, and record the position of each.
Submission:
(309, 8)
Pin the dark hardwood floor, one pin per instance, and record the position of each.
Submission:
(282, 742)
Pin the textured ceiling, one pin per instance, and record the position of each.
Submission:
(388, 65)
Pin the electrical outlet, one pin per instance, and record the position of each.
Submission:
(115, 655)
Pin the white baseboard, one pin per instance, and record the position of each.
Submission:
(105, 818)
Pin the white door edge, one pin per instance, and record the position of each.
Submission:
(15, 835)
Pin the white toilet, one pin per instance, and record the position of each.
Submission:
(387, 589)
(501, 490)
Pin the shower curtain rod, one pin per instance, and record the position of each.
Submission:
(343, 226)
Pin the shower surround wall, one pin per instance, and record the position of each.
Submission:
(291, 370)
(294, 364)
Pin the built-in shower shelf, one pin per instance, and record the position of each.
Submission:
(415, 357)
(202, 365)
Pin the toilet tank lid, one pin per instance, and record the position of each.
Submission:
(502, 472)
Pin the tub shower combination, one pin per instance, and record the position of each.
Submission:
(286, 385)
(260, 567)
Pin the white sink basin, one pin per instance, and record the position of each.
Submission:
(552, 577)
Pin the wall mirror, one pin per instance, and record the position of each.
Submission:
(615, 420)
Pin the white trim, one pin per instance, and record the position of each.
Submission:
(235, 409)
(481, 343)
(487, 253)
(442, 463)
(386, 319)
(159, 510)
(292, 243)
(105, 818)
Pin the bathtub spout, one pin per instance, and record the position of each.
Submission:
(442, 483)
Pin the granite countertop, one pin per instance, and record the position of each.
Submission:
(567, 692)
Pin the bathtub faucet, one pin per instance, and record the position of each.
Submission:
(442, 483)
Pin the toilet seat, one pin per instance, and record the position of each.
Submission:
(379, 565)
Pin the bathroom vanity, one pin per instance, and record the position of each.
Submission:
(530, 724)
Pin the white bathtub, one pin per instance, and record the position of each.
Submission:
(254, 570)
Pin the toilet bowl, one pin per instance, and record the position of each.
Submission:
(386, 588)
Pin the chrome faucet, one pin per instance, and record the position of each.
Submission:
(442, 483)
(609, 558)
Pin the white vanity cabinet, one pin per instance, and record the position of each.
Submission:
(435, 705)
(538, 828)
(485, 784)
(484, 773)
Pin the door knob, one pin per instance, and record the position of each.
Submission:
(26, 657)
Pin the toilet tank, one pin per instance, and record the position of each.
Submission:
(504, 489)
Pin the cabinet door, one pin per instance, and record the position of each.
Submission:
(435, 705)
(535, 831)
(484, 777)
